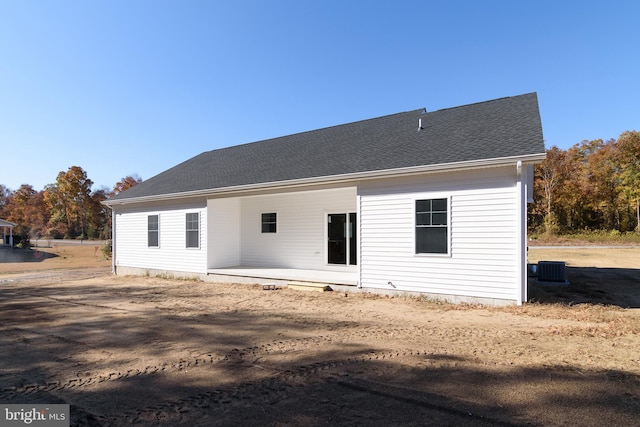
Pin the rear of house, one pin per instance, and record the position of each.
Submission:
(433, 203)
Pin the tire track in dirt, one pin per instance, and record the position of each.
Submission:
(348, 336)
(252, 393)
(191, 409)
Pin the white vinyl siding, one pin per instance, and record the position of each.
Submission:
(483, 259)
(223, 233)
(171, 254)
(300, 241)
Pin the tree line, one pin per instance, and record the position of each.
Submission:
(592, 186)
(66, 209)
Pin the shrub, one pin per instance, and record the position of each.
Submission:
(107, 249)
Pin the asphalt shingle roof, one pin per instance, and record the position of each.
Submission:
(505, 127)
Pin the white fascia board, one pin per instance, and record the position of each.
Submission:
(336, 179)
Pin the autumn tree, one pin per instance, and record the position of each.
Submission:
(629, 158)
(5, 195)
(550, 175)
(604, 176)
(120, 186)
(126, 183)
(69, 201)
(100, 215)
(594, 185)
(26, 208)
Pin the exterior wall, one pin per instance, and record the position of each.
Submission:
(223, 233)
(484, 259)
(487, 234)
(131, 248)
(300, 240)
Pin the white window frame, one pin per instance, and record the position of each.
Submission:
(275, 223)
(415, 225)
(157, 231)
(349, 237)
(188, 230)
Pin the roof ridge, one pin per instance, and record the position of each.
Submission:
(315, 130)
(484, 102)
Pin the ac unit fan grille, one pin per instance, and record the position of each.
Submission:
(552, 271)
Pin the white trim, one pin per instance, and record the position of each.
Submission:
(359, 241)
(158, 231)
(521, 221)
(186, 240)
(431, 196)
(335, 179)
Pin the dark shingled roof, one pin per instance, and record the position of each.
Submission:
(506, 127)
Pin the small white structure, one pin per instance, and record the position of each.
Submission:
(433, 203)
(7, 239)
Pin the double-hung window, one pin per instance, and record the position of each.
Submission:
(193, 230)
(269, 222)
(432, 229)
(153, 231)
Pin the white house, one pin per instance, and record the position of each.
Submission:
(428, 202)
(7, 239)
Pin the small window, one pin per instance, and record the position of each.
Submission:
(193, 230)
(432, 230)
(152, 231)
(268, 222)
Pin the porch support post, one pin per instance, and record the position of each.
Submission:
(521, 197)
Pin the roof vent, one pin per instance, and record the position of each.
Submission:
(420, 124)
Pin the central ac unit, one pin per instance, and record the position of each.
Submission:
(552, 273)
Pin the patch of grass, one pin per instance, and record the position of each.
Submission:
(615, 328)
(580, 238)
(594, 320)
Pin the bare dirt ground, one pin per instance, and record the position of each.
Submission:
(128, 351)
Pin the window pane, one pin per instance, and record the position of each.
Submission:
(152, 221)
(192, 239)
(423, 205)
(431, 240)
(152, 238)
(268, 217)
(268, 228)
(438, 218)
(439, 205)
(423, 218)
(353, 239)
(192, 221)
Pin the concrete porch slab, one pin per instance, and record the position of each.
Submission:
(348, 278)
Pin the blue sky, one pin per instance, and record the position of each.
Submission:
(138, 86)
